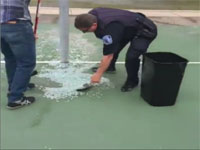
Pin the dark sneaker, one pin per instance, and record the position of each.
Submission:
(20, 103)
(30, 86)
(128, 86)
(34, 73)
(109, 70)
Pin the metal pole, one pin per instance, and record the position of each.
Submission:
(64, 30)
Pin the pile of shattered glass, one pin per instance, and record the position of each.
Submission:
(70, 76)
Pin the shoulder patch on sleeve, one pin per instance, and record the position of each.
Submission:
(107, 39)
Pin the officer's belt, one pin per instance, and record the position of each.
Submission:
(146, 27)
(144, 22)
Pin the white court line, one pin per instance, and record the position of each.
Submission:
(90, 62)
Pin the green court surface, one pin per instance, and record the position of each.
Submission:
(106, 118)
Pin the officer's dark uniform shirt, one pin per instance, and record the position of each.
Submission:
(118, 26)
(113, 34)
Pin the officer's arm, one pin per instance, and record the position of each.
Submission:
(105, 62)
(111, 39)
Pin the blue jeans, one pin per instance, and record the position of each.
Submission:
(18, 47)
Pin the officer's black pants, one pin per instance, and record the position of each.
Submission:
(138, 46)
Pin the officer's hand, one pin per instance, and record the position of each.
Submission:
(96, 78)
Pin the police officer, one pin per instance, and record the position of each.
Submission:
(116, 28)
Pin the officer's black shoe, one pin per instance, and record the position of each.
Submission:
(109, 70)
(94, 69)
(128, 86)
(30, 86)
(24, 101)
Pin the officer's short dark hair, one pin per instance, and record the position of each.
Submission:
(85, 21)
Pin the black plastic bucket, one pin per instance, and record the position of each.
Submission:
(162, 73)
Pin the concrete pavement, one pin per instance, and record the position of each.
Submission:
(177, 17)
